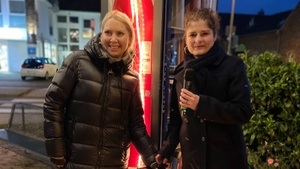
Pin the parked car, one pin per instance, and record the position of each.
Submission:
(38, 67)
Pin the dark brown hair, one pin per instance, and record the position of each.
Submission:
(208, 15)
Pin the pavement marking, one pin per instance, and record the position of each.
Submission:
(7, 106)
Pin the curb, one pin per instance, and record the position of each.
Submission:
(13, 92)
(25, 152)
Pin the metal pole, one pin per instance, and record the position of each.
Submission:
(23, 118)
(231, 26)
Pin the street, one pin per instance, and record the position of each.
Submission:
(18, 94)
(13, 90)
(13, 79)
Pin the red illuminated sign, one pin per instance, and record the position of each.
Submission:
(141, 13)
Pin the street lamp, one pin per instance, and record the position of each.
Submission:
(231, 27)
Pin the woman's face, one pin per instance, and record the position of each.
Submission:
(199, 37)
(115, 38)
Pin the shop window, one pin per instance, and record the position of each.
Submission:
(62, 35)
(47, 47)
(3, 58)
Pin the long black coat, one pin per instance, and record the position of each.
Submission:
(212, 137)
(93, 110)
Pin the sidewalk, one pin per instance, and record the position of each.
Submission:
(18, 91)
(11, 92)
(14, 156)
(4, 75)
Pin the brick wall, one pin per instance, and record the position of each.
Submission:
(285, 41)
(290, 36)
(259, 43)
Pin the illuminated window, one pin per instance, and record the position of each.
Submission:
(87, 28)
(74, 35)
(87, 33)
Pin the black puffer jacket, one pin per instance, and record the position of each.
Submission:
(93, 110)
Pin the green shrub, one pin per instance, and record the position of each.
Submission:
(273, 133)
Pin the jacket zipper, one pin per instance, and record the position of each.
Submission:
(103, 102)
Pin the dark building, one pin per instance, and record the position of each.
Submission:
(278, 33)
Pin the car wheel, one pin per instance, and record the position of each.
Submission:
(23, 77)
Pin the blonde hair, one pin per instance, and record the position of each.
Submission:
(123, 18)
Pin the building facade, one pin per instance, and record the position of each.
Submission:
(73, 29)
(13, 36)
(37, 28)
(277, 33)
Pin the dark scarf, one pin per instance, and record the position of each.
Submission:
(203, 60)
(200, 66)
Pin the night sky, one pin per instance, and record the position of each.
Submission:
(80, 5)
(241, 6)
(254, 6)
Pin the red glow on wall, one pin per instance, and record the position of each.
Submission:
(141, 13)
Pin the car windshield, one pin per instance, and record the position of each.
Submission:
(34, 62)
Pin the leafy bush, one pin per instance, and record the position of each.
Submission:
(273, 133)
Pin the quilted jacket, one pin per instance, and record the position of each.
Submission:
(93, 110)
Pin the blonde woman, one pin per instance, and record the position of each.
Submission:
(93, 108)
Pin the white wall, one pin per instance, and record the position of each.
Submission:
(43, 8)
(17, 52)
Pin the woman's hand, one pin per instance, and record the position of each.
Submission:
(60, 162)
(160, 160)
(188, 99)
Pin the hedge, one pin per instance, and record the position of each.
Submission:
(273, 133)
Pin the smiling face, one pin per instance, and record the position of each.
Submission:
(115, 38)
(199, 37)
